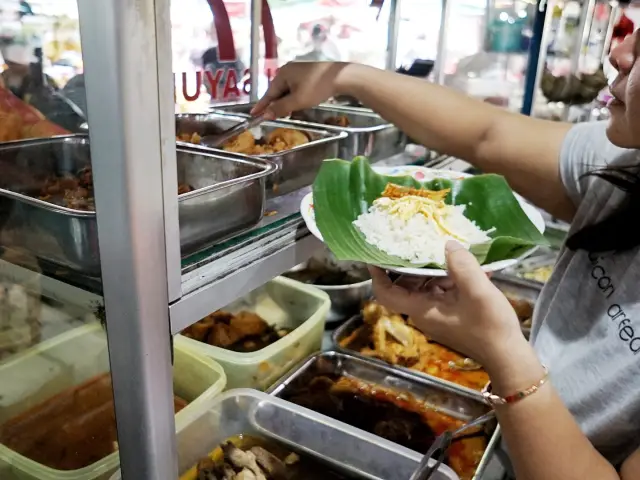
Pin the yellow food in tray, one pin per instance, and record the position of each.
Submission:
(278, 140)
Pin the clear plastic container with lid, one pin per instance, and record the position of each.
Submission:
(73, 359)
(282, 303)
(346, 449)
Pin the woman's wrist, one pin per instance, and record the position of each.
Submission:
(350, 78)
(512, 367)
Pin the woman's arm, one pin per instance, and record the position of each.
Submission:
(543, 439)
(525, 150)
(469, 314)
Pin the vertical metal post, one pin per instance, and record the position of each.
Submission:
(395, 15)
(254, 68)
(584, 29)
(537, 54)
(445, 13)
(168, 160)
(126, 104)
(614, 17)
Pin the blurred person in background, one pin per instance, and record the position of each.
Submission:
(210, 60)
(321, 48)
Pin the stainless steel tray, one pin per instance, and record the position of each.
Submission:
(441, 397)
(518, 289)
(347, 328)
(249, 412)
(542, 258)
(368, 134)
(229, 197)
(297, 167)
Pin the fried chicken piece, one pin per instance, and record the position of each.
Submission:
(184, 188)
(287, 136)
(223, 335)
(272, 465)
(242, 460)
(243, 143)
(248, 324)
(398, 191)
(338, 121)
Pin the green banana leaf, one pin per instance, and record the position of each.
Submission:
(344, 190)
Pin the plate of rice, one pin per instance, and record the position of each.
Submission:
(400, 218)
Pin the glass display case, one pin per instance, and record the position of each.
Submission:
(117, 232)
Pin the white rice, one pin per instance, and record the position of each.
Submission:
(418, 239)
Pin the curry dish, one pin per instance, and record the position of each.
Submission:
(71, 430)
(278, 140)
(393, 338)
(396, 416)
(240, 332)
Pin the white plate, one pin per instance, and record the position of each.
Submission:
(424, 174)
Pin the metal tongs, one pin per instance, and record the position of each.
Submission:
(439, 448)
(219, 139)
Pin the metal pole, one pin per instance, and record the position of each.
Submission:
(586, 20)
(445, 13)
(537, 54)
(584, 28)
(614, 17)
(254, 69)
(395, 15)
(126, 100)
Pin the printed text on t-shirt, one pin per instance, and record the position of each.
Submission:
(615, 311)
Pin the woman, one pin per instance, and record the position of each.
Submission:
(585, 422)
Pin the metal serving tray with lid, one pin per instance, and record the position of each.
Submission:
(439, 396)
(228, 197)
(368, 134)
(298, 166)
(344, 449)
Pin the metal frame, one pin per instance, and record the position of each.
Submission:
(395, 16)
(254, 68)
(439, 70)
(128, 106)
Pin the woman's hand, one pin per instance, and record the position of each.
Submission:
(464, 311)
(300, 85)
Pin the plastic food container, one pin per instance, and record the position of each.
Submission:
(70, 360)
(249, 412)
(284, 303)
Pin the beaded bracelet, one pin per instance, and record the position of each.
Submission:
(516, 397)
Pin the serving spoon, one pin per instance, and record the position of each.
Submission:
(441, 445)
(219, 139)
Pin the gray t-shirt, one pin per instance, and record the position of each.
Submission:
(586, 326)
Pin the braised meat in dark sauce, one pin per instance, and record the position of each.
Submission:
(339, 398)
(76, 191)
(394, 415)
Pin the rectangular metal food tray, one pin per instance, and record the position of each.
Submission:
(297, 167)
(249, 412)
(441, 397)
(518, 289)
(229, 197)
(348, 327)
(368, 134)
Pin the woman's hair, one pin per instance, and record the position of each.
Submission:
(617, 232)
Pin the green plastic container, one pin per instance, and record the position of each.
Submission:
(282, 302)
(69, 360)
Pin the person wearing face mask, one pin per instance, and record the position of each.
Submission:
(568, 402)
